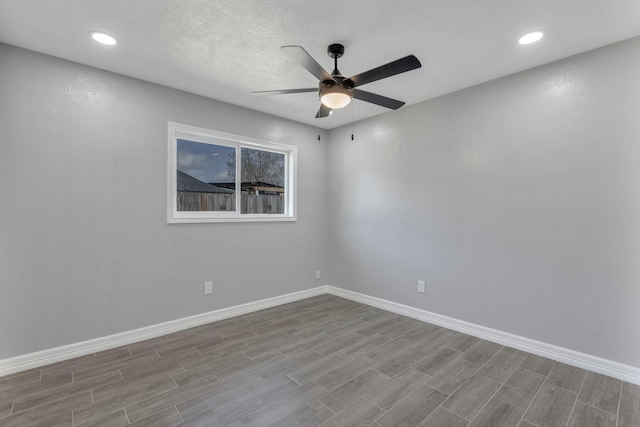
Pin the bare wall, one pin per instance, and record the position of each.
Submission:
(85, 250)
(518, 201)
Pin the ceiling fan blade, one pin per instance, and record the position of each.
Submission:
(402, 65)
(283, 91)
(373, 98)
(324, 111)
(303, 58)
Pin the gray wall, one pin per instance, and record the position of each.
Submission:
(85, 250)
(518, 201)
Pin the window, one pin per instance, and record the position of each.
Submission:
(216, 177)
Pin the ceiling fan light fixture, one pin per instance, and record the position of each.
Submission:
(335, 96)
(335, 100)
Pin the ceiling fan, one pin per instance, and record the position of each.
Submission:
(335, 90)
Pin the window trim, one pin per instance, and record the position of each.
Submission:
(202, 135)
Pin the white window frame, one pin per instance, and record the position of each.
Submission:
(208, 136)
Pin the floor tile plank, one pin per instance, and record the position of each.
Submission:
(351, 391)
(156, 372)
(288, 365)
(443, 418)
(361, 413)
(566, 376)
(501, 366)
(538, 364)
(397, 388)
(206, 419)
(19, 391)
(283, 405)
(10, 382)
(117, 402)
(274, 390)
(58, 412)
(551, 406)
(629, 412)
(150, 406)
(497, 413)
(343, 373)
(469, 399)
(520, 388)
(249, 366)
(311, 415)
(337, 344)
(219, 395)
(433, 362)
(50, 395)
(365, 345)
(210, 368)
(481, 352)
(166, 418)
(584, 415)
(114, 419)
(453, 376)
(413, 409)
(318, 368)
(601, 391)
(116, 364)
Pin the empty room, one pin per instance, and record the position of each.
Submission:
(280, 213)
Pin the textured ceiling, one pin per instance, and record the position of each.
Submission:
(224, 49)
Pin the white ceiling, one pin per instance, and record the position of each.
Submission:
(224, 49)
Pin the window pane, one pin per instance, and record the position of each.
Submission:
(263, 184)
(205, 176)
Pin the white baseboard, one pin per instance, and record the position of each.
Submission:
(581, 360)
(606, 367)
(45, 357)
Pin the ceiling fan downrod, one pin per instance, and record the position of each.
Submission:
(335, 51)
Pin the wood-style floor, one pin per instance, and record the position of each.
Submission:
(321, 361)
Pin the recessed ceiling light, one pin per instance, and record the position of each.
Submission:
(103, 38)
(531, 37)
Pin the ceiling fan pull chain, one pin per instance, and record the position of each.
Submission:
(352, 107)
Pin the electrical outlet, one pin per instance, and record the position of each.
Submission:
(208, 288)
(421, 286)
(317, 274)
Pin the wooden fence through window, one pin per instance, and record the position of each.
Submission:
(251, 203)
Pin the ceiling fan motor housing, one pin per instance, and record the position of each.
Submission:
(329, 86)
